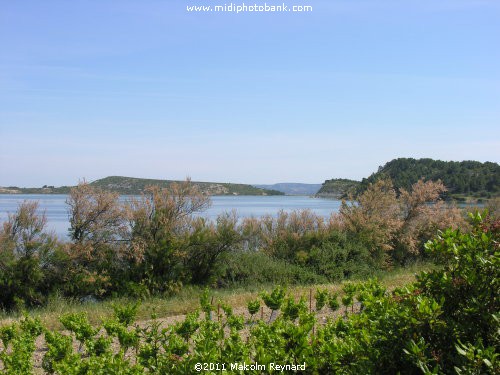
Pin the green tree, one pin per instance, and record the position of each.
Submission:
(27, 252)
(158, 220)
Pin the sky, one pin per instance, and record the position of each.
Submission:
(90, 89)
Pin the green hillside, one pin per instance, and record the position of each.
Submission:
(134, 186)
(463, 179)
(35, 190)
(131, 185)
(338, 188)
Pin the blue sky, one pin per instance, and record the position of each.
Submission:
(146, 89)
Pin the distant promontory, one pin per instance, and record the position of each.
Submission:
(135, 186)
(463, 179)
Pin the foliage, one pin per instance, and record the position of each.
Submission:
(340, 256)
(333, 302)
(97, 252)
(274, 299)
(27, 255)
(256, 268)
(127, 313)
(137, 186)
(466, 177)
(348, 297)
(155, 243)
(157, 220)
(396, 226)
(19, 345)
(206, 245)
(96, 217)
(60, 349)
(338, 188)
(253, 307)
(79, 325)
(321, 297)
(206, 303)
(291, 309)
(446, 322)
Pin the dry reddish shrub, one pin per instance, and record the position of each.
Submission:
(97, 225)
(375, 217)
(162, 212)
(400, 224)
(423, 213)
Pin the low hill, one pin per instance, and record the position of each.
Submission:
(292, 188)
(35, 190)
(134, 186)
(131, 185)
(338, 188)
(463, 179)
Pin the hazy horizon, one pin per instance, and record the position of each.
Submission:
(90, 89)
(169, 179)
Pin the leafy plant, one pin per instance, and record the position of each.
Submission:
(253, 307)
(348, 298)
(126, 314)
(78, 324)
(321, 297)
(274, 299)
(291, 309)
(206, 305)
(333, 302)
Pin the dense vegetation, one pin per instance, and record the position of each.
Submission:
(154, 244)
(136, 186)
(462, 179)
(447, 322)
(338, 188)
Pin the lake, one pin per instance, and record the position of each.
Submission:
(56, 209)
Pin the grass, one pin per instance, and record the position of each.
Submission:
(187, 300)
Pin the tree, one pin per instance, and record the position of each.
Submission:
(207, 244)
(158, 221)
(422, 214)
(26, 252)
(374, 218)
(99, 249)
(96, 216)
(162, 212)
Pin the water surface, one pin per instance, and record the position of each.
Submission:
(56, 209)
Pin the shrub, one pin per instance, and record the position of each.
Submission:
(447, 321)
(158, 220)
(207, 244)
(395, 225)
(27, 258)
(256, 268)
(340, 257)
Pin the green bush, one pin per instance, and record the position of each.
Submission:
(340, 258)
(29, 269)
(256, 268)
(445, 322)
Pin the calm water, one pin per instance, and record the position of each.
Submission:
(245, 206)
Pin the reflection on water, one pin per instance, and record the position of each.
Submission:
(56, 210)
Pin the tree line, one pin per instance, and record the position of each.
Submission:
(469, 178)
